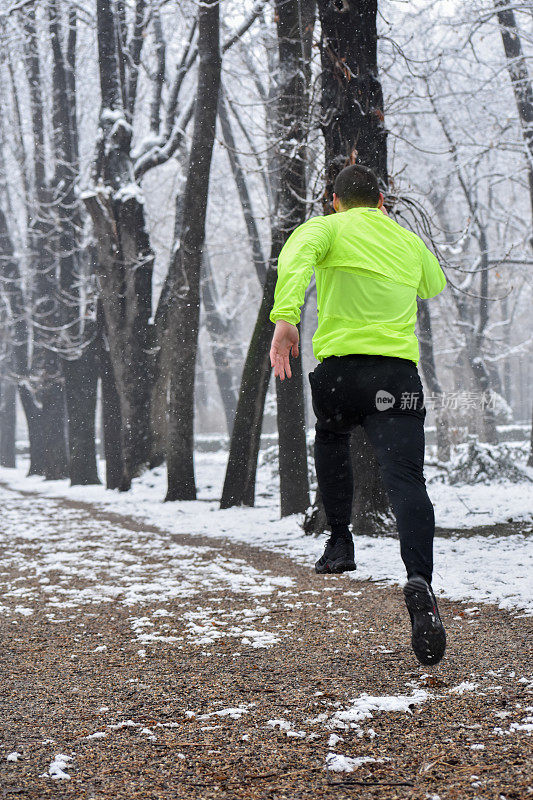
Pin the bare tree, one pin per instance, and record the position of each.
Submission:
(293, 19)
(354, 130)
(77, 337)
(520, 80)
(46, 414)
(125, 257)
(182, 311)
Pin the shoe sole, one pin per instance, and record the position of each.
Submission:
(429, 637)
(336, 567)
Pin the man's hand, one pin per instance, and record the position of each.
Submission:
(285, 339)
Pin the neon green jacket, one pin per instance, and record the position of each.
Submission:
(369, 271)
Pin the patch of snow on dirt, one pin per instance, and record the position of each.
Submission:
(339, 763)
(365, 706)
(465, 686)
(285, 725)
(58, 767)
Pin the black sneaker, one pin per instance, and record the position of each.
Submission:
(338, 556)
(429, 637)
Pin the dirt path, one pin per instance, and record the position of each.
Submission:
(148, 666)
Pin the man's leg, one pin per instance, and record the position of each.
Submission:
(334, 476)
(398, 441)
(335, 481)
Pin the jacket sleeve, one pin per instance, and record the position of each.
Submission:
(302, 251)
(432, 280)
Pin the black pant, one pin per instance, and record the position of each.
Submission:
(348, 391)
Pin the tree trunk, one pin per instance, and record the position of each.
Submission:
(223, 349)
(239, 483)
(54, 424)
(81, 382)
(15, 303)
(352, 99)
(518, 72)
(354, 132)
(45, 368)
(483, 386)
(183, 317)
(111, 423)
(8, 424)
(35, 431)
(79, 364)
(530, 459)
(292, 443)
(294, 21)
(479, 368)
(427, 362)
(125, 258)
(158, 416)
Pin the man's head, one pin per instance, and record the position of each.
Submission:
(356, 186)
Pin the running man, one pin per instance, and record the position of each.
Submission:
(369, 271)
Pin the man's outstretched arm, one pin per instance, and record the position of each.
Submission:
(302, 251)
(285, 339)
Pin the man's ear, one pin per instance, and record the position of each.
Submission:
(380, 202)
(335, 202)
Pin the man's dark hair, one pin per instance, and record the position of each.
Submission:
(357, 186)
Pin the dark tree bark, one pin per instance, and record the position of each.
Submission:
(239, 483)
(125, 258)
(520, 80)
(183, 315)
(530, 459)
(294, 20)
(352, 99)
(50, 412)
(133, 60)
(16, 309)
(79, 365)
(354, 132)
(81, 382)
(523, 92)
(35, 431)
(8, 424)
(111, 422)
(427, 362)
(159, 78)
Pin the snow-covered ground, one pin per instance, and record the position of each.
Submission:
(495, 569)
